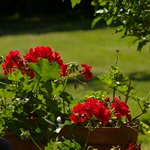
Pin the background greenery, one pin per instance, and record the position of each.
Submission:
(76, 41)
(130, 17)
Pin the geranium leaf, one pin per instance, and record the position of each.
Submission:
(66, 97)
(122, 88)
(15, 76)
(6, 94)
(107, 79)
(45, 69)
(56, 89)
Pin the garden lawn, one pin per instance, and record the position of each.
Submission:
(79, 43)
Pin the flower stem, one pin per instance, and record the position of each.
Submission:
(3, 83)
(89, 131)
(64, 87)
(37, 84)
(35, 143)
(128, 91)
(114, 92)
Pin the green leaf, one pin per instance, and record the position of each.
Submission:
(51, 88)
(145, 128)
(95, 21)
(66, 97)
(102, 2)
(115, 70)
(141, 44)
(6, 94)
(56, 88)
(75, 2)
(107, 80)
(109, 21)
(45, 69)
(122, 88)
(15, 76)
(119, 29)
(28, 86)
(41, 97)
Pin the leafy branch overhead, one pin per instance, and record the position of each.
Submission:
(75, 2)
(131, 17)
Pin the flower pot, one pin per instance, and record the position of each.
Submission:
(18, 144)
(103, 138)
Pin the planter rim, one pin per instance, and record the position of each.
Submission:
(105, 127)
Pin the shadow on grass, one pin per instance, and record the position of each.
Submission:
(40, 27)
(139, 76)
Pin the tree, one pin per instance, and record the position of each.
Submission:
(131, 16)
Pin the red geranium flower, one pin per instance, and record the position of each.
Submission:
(78, 113)
(76, 118)
(12, 62)
(55, 58)
(47, 53)
(63, 71)
(79, 109)
(91, 108)
(102, 113)
(37, 52)
(86, 71)
(121, 108)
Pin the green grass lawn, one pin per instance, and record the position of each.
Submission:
(78, 42)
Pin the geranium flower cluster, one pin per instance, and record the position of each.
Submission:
(14, 62)
(102, 110)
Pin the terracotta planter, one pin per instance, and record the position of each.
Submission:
(103, 138)
(18, 144)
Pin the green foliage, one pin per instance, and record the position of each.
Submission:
(64, 144)
(34, 95)
(24, 101)
(75, 2)
(101, 94)
(45, 70)
(121, 83)
(132, 15)
(145, 129)
(116, 80)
